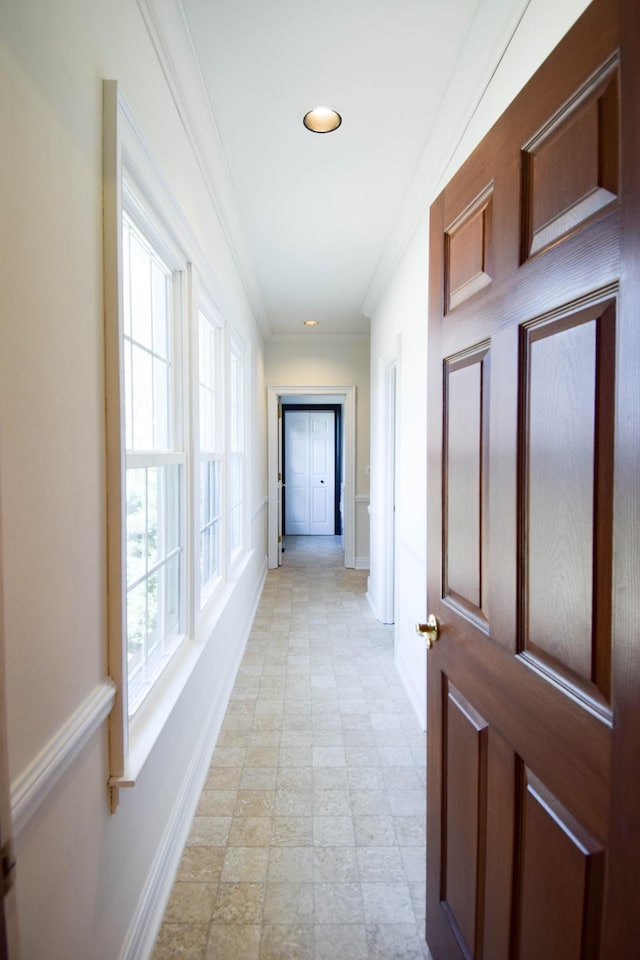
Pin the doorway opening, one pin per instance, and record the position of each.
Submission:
(345, 398)
(311, 469)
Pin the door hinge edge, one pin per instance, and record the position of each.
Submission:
(8, 867)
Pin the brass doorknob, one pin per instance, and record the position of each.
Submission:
(428, 630)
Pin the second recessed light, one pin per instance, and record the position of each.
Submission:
(322, 120)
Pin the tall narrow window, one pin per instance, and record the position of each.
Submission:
(210, 454)
(236, 448)
(155, 462)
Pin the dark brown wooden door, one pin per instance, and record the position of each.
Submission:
(533, 440)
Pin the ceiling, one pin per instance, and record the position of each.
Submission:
(318, 223)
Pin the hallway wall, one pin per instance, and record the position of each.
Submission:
(314, 360)
(88, 882)
(399, 334)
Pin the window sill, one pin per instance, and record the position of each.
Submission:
(149, 721)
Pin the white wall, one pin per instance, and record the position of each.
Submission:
(399, 334)
(89, 884)
(317, 361)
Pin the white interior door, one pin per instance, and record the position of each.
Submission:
(280, 485)
(309, 443)
(8, 914)
(321, 473)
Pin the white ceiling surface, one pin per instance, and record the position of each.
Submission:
(326, 217)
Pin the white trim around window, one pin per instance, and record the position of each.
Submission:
(169, 510)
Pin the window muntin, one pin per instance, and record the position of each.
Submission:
(236, 449)
(209, 395)
(155, 467)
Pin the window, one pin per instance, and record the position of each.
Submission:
(236, 448)
(155, 462)
(209, 394)
(175, 446)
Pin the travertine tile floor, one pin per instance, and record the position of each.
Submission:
(308, 841)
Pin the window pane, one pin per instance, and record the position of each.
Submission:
(209, 522)
(136, 632)
(162, 435)
(173, 599)
(142, 400)
(161, 292)
(140, 282)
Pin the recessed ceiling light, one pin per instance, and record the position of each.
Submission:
(311, 323)
(322, 120)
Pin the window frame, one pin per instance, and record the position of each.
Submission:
(132, 179)
(143, 224)
(236, 445)
(206, 312)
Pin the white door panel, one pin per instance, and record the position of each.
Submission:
(309, 472)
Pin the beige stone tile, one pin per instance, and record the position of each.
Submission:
(216, 803)
(410, 831)
(209, 832)
(228, 757)
(187, 941)
(239, 903)
(331, 803)
(380, 863)
(237, 942)
(223, 778)
(330, 778)
(190, 903)
(295, 756)
(369, 803)
(294, 778)
(290, 864)
(288, 903)
(387, 902)
(397, 756)
(202, 864)
(258, 778)
(414, 859)
(335, 864)
(407, 803)
(418, 891)
(287, 942)
(250, 832)
(403, 778)
(338, 903)
(374, 831)
(328, 757)
(292, 802)
(254, 803)
(396, 941)
(292, 831)
(264, 738)
(341, 942)
(333, 832)
(245, 865)
(365, 778)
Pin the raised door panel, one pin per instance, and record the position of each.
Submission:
(466, 384)
(570, 166)
(568, 390)
(296, 461)
(560, 885)
(464, 830)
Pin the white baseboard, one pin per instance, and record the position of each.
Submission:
(414, 691)
(147, 919)
(362, 563)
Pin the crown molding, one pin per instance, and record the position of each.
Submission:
(322, 337)
(168, 30)
(479, 58)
